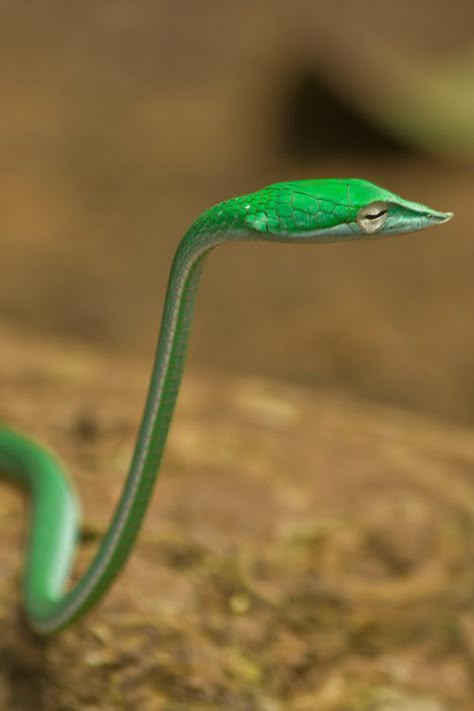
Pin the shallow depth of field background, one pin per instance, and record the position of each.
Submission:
(121, 121)
(310, 544)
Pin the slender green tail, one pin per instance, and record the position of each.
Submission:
(308, 211)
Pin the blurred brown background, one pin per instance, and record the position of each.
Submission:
(121, 121)
(308, 547)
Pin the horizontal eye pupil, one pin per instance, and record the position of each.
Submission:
(371, 218)
(376, 216)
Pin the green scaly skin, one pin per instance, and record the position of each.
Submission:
(301, 211)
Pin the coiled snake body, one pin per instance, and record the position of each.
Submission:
(301, 211)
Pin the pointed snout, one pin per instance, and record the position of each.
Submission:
(439, 217)
(411, 217)
(428, 218)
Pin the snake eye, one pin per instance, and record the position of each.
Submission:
(371, 218)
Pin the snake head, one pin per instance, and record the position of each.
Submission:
(330, 210)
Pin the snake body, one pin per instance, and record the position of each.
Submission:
(301, 211)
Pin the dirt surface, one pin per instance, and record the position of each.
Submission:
(304, 550)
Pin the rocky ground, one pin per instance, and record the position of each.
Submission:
(304, 550)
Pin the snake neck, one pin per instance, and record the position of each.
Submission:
(51, 610)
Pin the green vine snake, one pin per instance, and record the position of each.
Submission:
(303, 211)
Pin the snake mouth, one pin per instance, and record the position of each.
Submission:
(412, 217)
(443, 217)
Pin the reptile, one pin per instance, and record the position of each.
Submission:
(303, 211)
